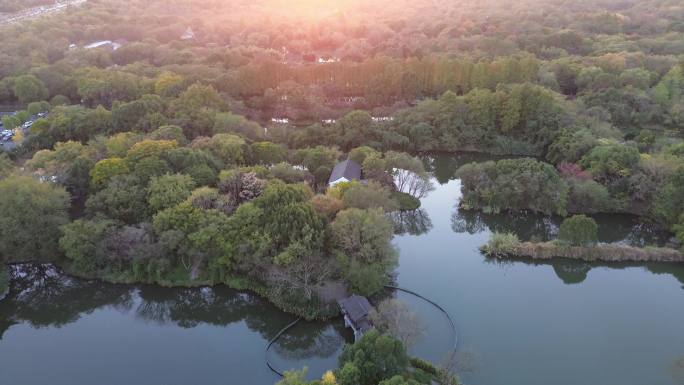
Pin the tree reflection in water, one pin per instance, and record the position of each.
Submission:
(529, 226)
(317, 339)
(413, 222)
(444, 166)
(43, 296)
(574, 272)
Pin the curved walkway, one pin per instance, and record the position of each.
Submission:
(292, 324)
(272, 341)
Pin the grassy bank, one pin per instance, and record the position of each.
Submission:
(508, 246)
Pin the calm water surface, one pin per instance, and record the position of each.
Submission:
(520, 323)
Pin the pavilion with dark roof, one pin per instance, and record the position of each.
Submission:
(345, 171)
(356, 311)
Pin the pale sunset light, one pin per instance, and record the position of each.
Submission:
(341, 192)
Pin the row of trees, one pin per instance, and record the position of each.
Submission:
(418, 50)
(625, 90)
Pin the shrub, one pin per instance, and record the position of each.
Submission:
(424, 366)
(588, 196)
(406, 201)
(376, 356)
(679, 231)
(501, 244)
(368, 196)
(610, 161)
(578, 230)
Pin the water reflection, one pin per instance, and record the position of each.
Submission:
(530, 226)
(322, 340)
(527, 226)
(574, 272)
(413, 222)
(443, 166)
(43, 296)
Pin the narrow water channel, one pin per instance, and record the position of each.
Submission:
(519, 323)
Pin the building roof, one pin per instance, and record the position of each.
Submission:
(103, 43)
(355, 307)
(348, 169)
(188, 34)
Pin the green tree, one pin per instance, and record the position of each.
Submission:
(6, 165)
(68, 164)
(148, 148)
(679, 231)
(168, 190)
(610, 161)
(230, 149)
(359, 154)
(669, 203)
(289, 217)
(195, 110)
(348, 374)
(229, 123)
(513, 184)
(267, 153)
(588, 196)
(104, 87)
(28, 88)
(319, 156)
(288, 173)
(106, 169)
(363, 235)
(32, 213)
(377, 357)
(368, 196)
(578, 230)
(168, 133)
(149, 167)
(199, 164)
(83, 242)
(10, 121)
(169, 84)
(144, 114)
(570, 146)
(35, 108)
(117, 146)
(294, 377)
(123, 199)
(354, 128)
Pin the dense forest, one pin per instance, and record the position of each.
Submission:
(190, 142)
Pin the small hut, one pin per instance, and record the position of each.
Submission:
(356, 311)
(345, 171)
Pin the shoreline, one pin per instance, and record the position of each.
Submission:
(609, 253)
(320, 315)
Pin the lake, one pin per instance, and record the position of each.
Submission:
(519, 322)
